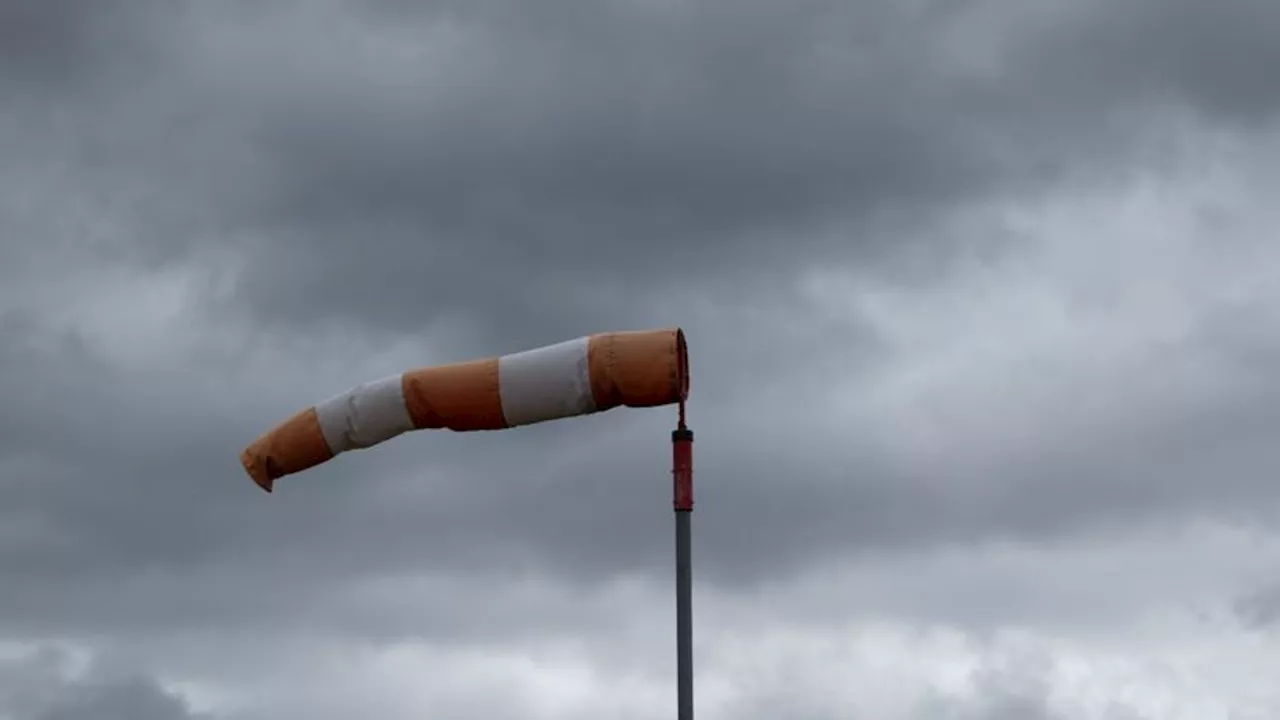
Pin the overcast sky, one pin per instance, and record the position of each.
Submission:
(983, 304)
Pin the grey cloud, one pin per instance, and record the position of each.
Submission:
(39, 686)
(644, 147)
(641, 147)
(1014, 688)
(55, 46)
(126, 700)
(1003, 686)
(629, 149)
(626, 149)
(1259, 609)
(47, 39)
(1212, 58)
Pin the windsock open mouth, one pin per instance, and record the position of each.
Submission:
(682, 365)
(591, 374)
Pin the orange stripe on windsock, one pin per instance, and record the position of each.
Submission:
(638, 369)
(462, 396)
(577, 377)
(290, 447)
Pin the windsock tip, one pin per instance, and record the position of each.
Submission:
(255, 470)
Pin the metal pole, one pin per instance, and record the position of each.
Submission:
(682, 492)
(684, 618)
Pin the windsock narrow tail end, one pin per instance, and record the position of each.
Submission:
(256, 471)
(292, 446)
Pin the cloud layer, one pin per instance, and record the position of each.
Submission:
(981, 307)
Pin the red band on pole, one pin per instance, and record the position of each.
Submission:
(682, 468)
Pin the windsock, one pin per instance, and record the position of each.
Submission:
(578, 377)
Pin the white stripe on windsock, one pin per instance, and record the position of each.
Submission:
(365, 415)
(545, 384)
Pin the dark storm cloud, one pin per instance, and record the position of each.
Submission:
(47, 41)
(74, 46)
(1213, 58)
(619, 148)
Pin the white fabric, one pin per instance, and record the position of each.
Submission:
(545, 384)
(365, 415)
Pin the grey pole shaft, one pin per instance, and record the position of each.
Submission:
(684, 616)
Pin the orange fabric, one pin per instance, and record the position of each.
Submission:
(462, 396)
(293, 446)
(638, 369)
